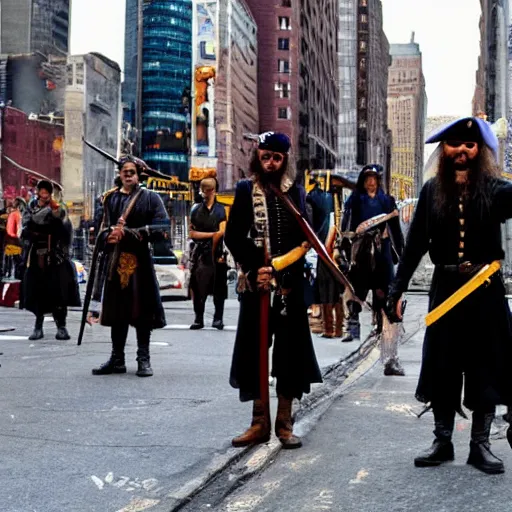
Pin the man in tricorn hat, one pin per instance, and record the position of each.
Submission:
(458, 220)
(125, 281)
(259, 228)
(49, 282)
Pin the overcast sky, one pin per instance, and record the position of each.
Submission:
(447, 31)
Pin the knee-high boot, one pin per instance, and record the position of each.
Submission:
(338, 325)
(259, 431)
(328, 321)
(143, 360)
(60, 315)
(115, 363)
(480, 455)
(219, 313)
(442, 447)
(284, 424)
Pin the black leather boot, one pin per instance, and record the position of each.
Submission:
(116, 363)
(394, 368)
(38, 333)
(219, 313)
(480, 455)
(59, 315)
(198, 324)
(144, 363)
(442, 448)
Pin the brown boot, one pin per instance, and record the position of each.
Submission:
(284, 424)
(259, 431)
(315, 319)
(338, 326)
(328, 318)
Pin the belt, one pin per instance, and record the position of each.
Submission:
(463, 268)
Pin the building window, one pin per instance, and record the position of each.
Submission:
(362, 46)
(282, 90)
(284, 23)
(286, 3)
(69, 72)
(283, 113)
(283, 66)
(283, 43)
(364, 18)
(363, 3)
(80, 73)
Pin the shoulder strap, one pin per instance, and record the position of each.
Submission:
(130, 205)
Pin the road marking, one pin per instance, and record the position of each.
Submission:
(99, 483)
(186, 327)
(6, 337)
(361, 475)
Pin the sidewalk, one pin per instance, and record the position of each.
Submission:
(76, 442)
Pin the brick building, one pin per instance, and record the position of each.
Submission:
(32, 150)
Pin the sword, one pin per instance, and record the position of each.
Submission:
(319, 247)
(481, 278)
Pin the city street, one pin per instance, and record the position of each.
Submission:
(75, 442)
(359, 458)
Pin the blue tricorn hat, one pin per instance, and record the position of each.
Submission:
(274, 141)
(468, 129)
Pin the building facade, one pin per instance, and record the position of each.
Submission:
(347, 74)
(166, 79)
(31, 150)
(28, 26)
(318, 84)
(131, 62)
(407, 107)
(278, 22)
(92, 111)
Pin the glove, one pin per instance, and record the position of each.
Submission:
(392, 303)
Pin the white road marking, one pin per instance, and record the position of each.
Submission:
(99, 483)
(159, 343)
(186, 327)
(361, 475)
(7, 337)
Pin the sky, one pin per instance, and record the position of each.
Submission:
(446, 30)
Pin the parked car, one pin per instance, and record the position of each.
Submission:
(173, 277)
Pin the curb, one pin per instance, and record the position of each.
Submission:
(247, 462)
(216, 483)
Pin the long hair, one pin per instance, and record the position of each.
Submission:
(482, 169)
(256, 170)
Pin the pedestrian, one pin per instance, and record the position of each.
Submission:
(125, 281)
(328, 293)
(458, 219)
(259, 223)
(13, 245)
(208, 266)
(49, 281)
(372, 254)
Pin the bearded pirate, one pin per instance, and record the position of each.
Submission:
(125, 280)
(458, 220)
(259, 223)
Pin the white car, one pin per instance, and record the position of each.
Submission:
(173, 278)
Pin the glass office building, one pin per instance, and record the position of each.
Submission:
(166, 78)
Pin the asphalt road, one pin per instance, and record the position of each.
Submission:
(359, 458)
(76, 442)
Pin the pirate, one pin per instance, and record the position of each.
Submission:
(372, 253)
(207, 256)
(49, 282)
(125, 281)
(259, 228)
(458, 219)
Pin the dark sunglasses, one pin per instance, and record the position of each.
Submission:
(128, 173)
(459, 143)
(277, 157)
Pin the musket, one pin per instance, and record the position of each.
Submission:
(318, 246)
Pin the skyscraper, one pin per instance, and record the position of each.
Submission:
(166, 79)
(407, 108)
(131, 54)
(28, 26)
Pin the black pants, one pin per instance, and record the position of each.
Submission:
(200, 302)
(59, 315)
(119, 333)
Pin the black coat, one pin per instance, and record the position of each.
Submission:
(294, 362)
(139, 303)
(49, 281)
(475, 337)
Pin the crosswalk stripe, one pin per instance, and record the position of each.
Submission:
(186, 327)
